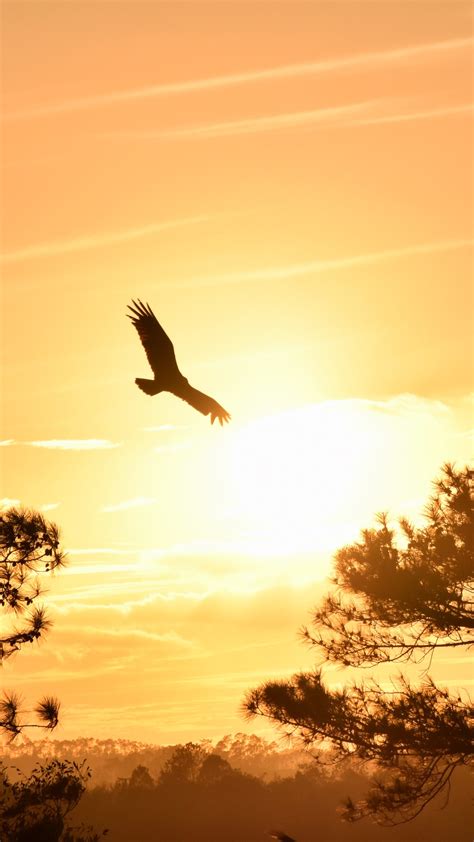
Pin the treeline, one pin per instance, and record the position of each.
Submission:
(238, 790)
(199, 796)
(113, 759)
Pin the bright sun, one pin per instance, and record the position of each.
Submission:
(310, 479)
(295, 476)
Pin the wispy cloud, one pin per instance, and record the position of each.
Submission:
(290, 120)
(48, 507)
(405, 404)
(172, 448)
(129, 504)
(126, 635)
(295, 270)
(164, 428)
(341, 63)
(467, 434)
(93, 241)
(7, 442)
(429, 114)
(75, 444)
(7, 502)
(97, 551)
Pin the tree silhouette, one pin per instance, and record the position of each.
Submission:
(141, 778)
(184, 765)
(29, 548)
(395, 598)
(35, 807)
(214, 769)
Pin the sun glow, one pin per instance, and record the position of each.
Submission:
(304, 480)
(293, 474)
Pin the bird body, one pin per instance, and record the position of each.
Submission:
(168, 378)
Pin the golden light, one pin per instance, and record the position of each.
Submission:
(308, 479)
(293, 474)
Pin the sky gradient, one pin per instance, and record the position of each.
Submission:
(290, 186)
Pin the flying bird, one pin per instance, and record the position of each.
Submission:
(168, 378)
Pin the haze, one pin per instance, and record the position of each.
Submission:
(285, 183)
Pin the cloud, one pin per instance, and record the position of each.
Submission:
(177, 651)
(97, 551)
(7, 442)
(467, 434)
(6, 502)
(98, 569)
(102, 602)
(173, 448)
(109, 637)
(165, 428)
(93, 241)
(273, 122)
(130, 504)
(400, 405)
(362, 61)
(75, 444)
(342, 116)
(315, 266)
(433, 113)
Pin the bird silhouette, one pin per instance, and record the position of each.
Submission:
(168, 378)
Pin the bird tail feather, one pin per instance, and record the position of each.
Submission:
(150, 387)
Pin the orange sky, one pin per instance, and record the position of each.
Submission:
(290, 186)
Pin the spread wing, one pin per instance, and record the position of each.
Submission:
(203, 403)
(158, 346)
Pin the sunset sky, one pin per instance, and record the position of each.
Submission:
(289, 185)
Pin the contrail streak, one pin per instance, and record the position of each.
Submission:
(447, 111)
(316, 266)
(287, 71)
(87, 242)
(256, 124)
(74, 444)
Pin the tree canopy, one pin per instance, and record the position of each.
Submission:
(397, 596)
(29, 549)
(36, 806)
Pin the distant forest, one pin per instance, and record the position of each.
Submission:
(239, 789)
